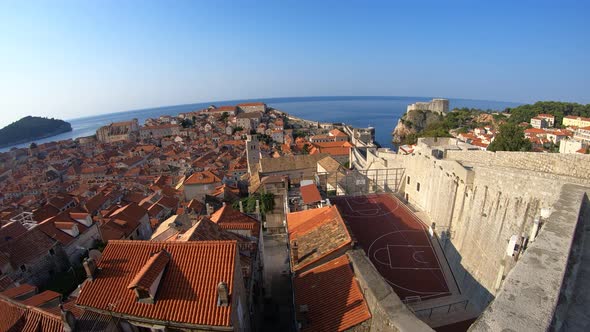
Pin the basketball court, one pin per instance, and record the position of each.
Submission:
(397, 242)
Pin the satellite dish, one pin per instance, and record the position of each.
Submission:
(94, 254)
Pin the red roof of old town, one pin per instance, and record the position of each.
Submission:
(187, 292)
(333, 297)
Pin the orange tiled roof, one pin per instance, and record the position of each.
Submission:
(150, 271)
(11, 231)
(39, 320)
(535, 131)
(13, 316)
(187, 292)
(230, 218)
(42, 298)
(19, 317)
(332, 295)
(337, 133)
(19, 291)
(333, 148)
(318, 233)
(204, 177)
(131, 212)
(206, 230)
(28, 247)
(310, 194)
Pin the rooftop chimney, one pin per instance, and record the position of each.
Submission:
(241, 206)
(222, 294)
(90, 268)
(295, 252)
(210, 209)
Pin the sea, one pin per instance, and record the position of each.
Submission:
(380, 112)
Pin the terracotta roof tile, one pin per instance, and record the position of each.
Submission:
(206, 230)
(13, 316)
(332, 295)
(11, 231)
(337, 133)
(318, 233)
(150, 271)
(204, 177)
(39, 320)
(42, 298)
(188, 289)
(19, 317)
(129, 212)
(19, 291)
(230, 218)
(310, 194)
(28, 247)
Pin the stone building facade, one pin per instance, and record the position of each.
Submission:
(118, 131)
(438, 105)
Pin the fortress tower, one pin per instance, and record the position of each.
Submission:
(438, 105)
(252, 152)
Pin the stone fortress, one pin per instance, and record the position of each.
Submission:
(511, 225)
(437, 105)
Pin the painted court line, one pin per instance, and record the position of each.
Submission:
(377, 209)
(388, 263)
(417, 259)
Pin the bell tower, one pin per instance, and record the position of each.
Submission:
(252, 152)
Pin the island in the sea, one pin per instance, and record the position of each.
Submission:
(32, 128)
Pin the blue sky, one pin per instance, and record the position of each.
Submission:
(76, 58)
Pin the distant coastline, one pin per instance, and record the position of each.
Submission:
(381, 112)
(30, 129)
(32, 140)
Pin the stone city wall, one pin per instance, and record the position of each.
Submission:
(476, 210)
(575, 165)
(388, 312)
(547, 289)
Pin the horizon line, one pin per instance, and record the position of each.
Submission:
(229, 101)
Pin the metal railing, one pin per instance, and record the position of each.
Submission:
(360, 182)
(442, 309)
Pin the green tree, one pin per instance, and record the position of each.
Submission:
(524, 113)
(510, 138)
(185, 123)
(267, 203)
(305, 149)
(224, 116)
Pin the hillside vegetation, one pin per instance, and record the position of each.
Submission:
(524, 113)
(31, 128)
(463, 119)
(459, 119)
